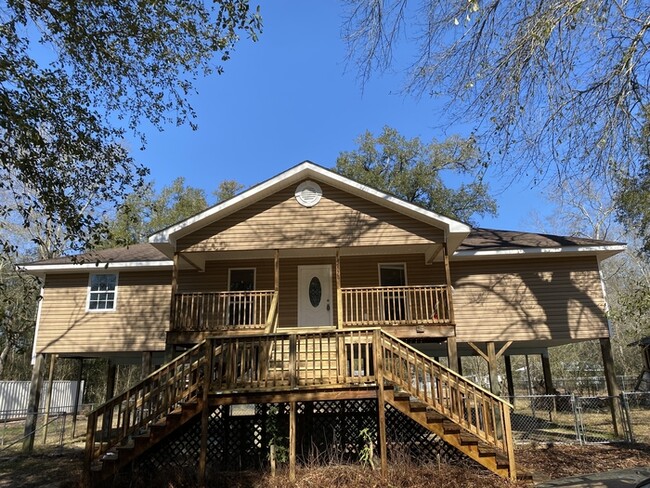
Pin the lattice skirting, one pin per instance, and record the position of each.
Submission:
(240, 436)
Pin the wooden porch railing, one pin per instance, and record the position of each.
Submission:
(477, 410)
(215, 311)
(395, 305)
(292, 360)
(148, 401)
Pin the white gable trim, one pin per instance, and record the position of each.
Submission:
(454, 230)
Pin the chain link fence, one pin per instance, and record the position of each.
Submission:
(57, 429)
(581, 419)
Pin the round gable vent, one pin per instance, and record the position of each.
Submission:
(308, 193)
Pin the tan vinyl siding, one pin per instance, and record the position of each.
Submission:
(338, 220)
(138, 323)
(364, 270)
(215, 276)
(526, 299)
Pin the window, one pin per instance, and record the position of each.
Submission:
(241, 306)
(392, 276)
(102, 292)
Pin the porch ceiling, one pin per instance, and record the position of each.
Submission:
(432, 252)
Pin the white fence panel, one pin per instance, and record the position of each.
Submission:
(14, 397)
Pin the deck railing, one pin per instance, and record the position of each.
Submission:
(292, 360)
(395, 305)
(215, 311)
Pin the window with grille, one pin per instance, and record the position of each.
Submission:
(102, 292)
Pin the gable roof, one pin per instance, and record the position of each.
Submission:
(165, 240)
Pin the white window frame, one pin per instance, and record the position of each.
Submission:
(90, 291)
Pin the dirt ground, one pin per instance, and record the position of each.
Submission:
(62, 469)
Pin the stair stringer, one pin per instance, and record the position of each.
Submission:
(117, 458)
(462, 440)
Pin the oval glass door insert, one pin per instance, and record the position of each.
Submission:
(315, 291)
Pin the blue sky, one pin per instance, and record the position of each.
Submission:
(292, 96)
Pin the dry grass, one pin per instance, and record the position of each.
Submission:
(547, 462)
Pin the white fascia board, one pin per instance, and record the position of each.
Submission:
(608, 250)
(42, 269)
(307, 169)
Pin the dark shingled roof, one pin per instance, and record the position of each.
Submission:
(478, 240)
(490, 239)
(133, 253)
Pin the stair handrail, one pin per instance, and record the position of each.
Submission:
(495, 431)
(176, 381)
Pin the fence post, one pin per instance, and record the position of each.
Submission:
(627, 419)
(577, 418)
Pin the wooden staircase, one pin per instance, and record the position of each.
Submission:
(464, 415)
(449, 431)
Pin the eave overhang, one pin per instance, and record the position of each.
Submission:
(602, 252)
(40, 270)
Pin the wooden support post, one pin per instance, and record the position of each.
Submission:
(452, 353)
(77, 397)
(450, 302)
(548, 385)
(34, 401)
(492, 368)
(276, 271)
(172, 306)
(546, 368)
(381, 404)
(111, 376)
(292, 441)
(48, 400)
(509, 382)
(147, 364)
(613, 389)
(205, 413)
(339, 292)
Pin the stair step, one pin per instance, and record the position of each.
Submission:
(142, 439)
(468, 439)
(502, 461)
(109, 457)
(450, 427)
(418, 406)
(401, 395)
(433, 416)
(191, 405)
(524, 476)
(485, 449)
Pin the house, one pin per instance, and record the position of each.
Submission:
(313, 287)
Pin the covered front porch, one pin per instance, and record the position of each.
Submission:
(404, 289)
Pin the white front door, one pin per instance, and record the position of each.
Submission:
(315, 295)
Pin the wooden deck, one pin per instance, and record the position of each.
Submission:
(292, 367)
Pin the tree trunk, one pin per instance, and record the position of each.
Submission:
(3, 356)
